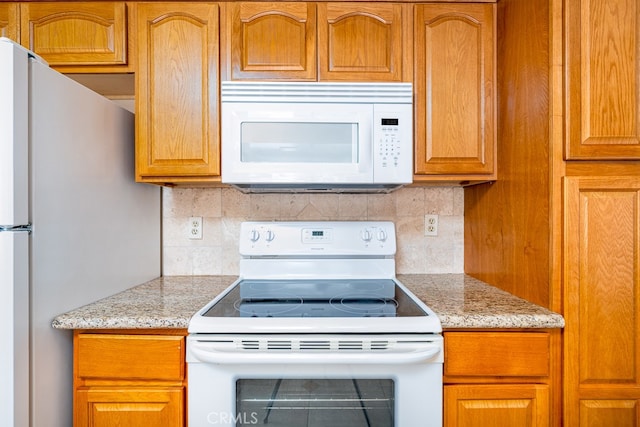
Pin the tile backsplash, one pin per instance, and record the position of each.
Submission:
(223, 209)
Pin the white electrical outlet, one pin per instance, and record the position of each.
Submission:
(195, 228)
(431, 225)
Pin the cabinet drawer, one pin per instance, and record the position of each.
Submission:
(525, 354)
(157, 357)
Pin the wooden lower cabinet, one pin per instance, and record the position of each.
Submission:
(129, 378)
(496, 405)
(502, 378)
(132, 406)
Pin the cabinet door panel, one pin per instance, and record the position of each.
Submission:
(9, 16)
(602, 288)
(609, 412)
(176, 83)
(76, 33)
(130, 407)
(454, 84)
(603, 79)
(273, 41)
(496, 405)
(360, 41)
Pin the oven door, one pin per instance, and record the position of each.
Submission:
(295, 382)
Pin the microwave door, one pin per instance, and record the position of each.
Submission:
(297, 143)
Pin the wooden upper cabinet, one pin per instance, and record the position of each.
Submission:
(454, 84)
(273, 40)
(9, 20)
(361, 41)
(602, 56)
(76, 33)
(177, 133)
(318, 41)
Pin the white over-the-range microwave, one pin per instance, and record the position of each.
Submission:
(316, 136)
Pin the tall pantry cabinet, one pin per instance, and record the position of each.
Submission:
(561, 225)
(602, 213)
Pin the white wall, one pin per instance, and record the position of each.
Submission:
(224, 209)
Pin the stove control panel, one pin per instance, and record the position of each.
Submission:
(318, 238)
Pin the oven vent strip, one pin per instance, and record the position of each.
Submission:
(326, 345)
(310, 345)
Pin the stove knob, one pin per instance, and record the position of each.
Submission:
(254, 235)
(270, 236)
(382, 235)
(366, 235)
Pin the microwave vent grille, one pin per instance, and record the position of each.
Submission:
(317, 92)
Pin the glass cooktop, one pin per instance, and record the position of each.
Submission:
(316, 298)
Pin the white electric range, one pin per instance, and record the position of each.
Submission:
(316, 331)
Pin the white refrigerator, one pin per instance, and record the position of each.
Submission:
(75, 227)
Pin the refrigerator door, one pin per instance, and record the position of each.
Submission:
(14, 86)
(14, 329)
(96, 231)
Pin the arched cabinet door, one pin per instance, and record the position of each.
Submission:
(602, 79)
(177, 132)
(455, 98)
(362, 42)
(76, 33)
(273, 40)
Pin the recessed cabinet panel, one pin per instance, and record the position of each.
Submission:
(360, 41)
(176, 92)
(602, 288)
(454, 85)
(603, 278)
(149, 407)
(9, 16)
(273, 40)
(602, 54)
(82, 33)
(496, 405)
(610, 412)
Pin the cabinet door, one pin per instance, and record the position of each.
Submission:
(496, 405)
(177, 134)
(602, 55)
(361, 42)
(273, 40)
(602, 303)
(82, 33)
(104, 407)
(9, 16)
(455, 93)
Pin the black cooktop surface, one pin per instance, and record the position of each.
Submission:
(316, 298)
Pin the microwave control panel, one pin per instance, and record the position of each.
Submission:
(393, 143)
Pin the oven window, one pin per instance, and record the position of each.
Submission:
(283, 142)
(316, 402)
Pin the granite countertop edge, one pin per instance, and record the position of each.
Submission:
(169, 302)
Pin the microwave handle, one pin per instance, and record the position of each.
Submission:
(208, 355)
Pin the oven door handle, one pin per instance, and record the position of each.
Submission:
(203, 353)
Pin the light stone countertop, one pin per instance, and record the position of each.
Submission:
(460, 301)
